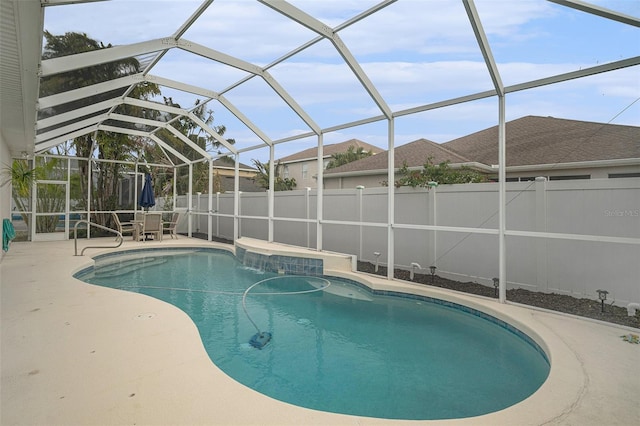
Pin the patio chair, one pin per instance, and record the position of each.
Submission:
(171, 225)
(152, 225)
(124, 228)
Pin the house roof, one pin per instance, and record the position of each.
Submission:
(329, 150)
(531, 140)
(547, 140)
(415, 154)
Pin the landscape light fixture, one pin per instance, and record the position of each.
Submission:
(377, 255)
(602, 295)
(433, 273)
(496, 284)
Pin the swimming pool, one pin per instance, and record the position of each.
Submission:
(343, 349)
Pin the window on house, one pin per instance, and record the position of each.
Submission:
(286, 172)
(305, 171)
(623, 175)
(571, 177)
(325, 164)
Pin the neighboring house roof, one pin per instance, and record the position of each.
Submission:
(329, 150)
(415, 154)
(530, 140)
(534, 140)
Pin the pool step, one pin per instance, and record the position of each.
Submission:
(123, 267)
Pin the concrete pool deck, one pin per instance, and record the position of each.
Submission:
(78, 354)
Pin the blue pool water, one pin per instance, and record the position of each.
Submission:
(340, 349)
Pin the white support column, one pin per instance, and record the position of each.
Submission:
(271, 191)
(502, 200)
(391, 201)
(175, 187)
(89, 177)
(236, 199)
(210, 203)
(135, 189)
(217, 217)
(433, 220)
(320, 193)
(307, 212)
(67, 201)
(190, 201)
(34, 203)
(359, 190)
(541, 226)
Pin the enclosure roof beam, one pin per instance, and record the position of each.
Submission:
(217, 56)
(102, 56)
(599, 11)
(585, 72)
(46, 3)
(189, 142)
(77, 113)
(268, 78)
(132, 132)
(88, 91)
(40, 147)
(165, 154)
(209, 94)
(155, 106)
(300, 17)
(317, 26)
(252, 69)
(123, 130)
(162, 81)
(361, 76)
(136, 120)
(169, 148)
(483, 43)
(244, 119)
(42, 137)
(204, 126)
(192, 19)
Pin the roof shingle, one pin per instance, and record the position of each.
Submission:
(414, 153)
(547, 140)
(329, 150)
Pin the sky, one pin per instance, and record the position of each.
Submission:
(415, 52)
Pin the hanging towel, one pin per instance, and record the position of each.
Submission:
(8, 234)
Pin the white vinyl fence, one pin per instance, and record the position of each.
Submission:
(355, 222)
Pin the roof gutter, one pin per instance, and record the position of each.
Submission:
(302, 159)
(574, 165)
(471, 164)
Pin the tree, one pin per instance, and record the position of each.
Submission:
(110, 146)
(262, 178)
(50, 197)
(441, 173)
(351, 154)
(199, 137)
